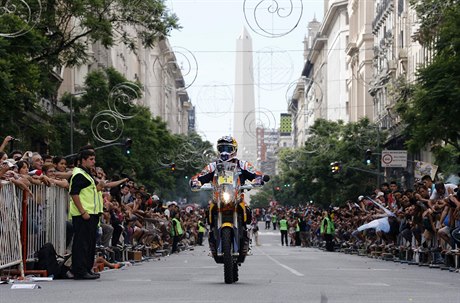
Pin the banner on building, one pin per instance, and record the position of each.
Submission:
(424, 168)
(285, 125)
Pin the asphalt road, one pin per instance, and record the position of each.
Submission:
(272, 274)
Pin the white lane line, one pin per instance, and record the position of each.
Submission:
(373, 284)
(293, 271)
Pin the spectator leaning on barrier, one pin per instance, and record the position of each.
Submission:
(49, 172)
(85, 211)
(36, 163)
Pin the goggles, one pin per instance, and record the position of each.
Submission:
(225, 149)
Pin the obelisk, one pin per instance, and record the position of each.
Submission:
(244, 123)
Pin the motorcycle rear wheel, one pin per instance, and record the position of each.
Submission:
(227, 255)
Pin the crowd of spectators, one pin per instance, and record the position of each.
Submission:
(423, 221)
(132, 218)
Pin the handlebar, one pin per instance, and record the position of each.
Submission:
(208, 187)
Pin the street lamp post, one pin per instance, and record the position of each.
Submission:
(71, 124)
(72, 95)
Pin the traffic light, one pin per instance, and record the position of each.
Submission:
(128, 144)
(335, 167)
(368, 157)
(172, 166)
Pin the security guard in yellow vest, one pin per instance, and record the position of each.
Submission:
(201, 231)
(85, 209)
(283, 223)
(327, 230)
(176, 231)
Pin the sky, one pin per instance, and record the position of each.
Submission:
(205, 48)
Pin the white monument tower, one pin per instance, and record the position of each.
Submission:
(244, 123)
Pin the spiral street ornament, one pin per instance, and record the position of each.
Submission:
(315, 146)
(215, 99)
(187, 154)
(313, 95)
(180, 62)
(28, 12)
(107, 125)
(264, 119)
(272, 18)
(272, 67)
(122, 95)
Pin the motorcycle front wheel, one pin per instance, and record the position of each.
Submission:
(227, 255)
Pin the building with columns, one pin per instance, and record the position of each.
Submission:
(155, 68)
(362, 52)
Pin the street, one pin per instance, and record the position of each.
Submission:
(271, 274)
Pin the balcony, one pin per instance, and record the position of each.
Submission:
(383, 10)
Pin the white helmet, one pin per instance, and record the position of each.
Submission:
(227, 148)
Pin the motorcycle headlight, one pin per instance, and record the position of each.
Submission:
(226, 197)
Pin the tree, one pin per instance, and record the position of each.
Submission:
(60, 33)
(305, 173)
(429, 108)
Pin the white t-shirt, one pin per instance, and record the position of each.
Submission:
(381, 224)
(447, 187)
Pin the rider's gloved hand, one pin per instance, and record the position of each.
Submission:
(258, 181)
(195, 184)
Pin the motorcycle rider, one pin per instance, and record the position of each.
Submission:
(227, 148)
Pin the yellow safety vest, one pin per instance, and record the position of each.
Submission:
(89, 197)
(283, 224)
(201, 228)
(178, 226)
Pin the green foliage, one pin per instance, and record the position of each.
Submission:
(431, 18)
(430, 110)
(58, 35)
(305, 173)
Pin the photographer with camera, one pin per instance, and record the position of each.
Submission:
(8, 139)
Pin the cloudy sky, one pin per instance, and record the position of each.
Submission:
(205, 49)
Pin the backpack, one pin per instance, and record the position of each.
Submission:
(47, 260)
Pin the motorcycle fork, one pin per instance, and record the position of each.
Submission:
(235, 233)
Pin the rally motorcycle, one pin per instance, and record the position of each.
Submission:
(227, 217)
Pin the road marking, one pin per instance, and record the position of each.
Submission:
(293, 271)
(372, 284)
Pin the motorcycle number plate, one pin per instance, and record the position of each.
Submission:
(225, 180)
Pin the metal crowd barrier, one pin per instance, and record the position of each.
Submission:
(10, 233)
(46, 218)
(27, 225)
